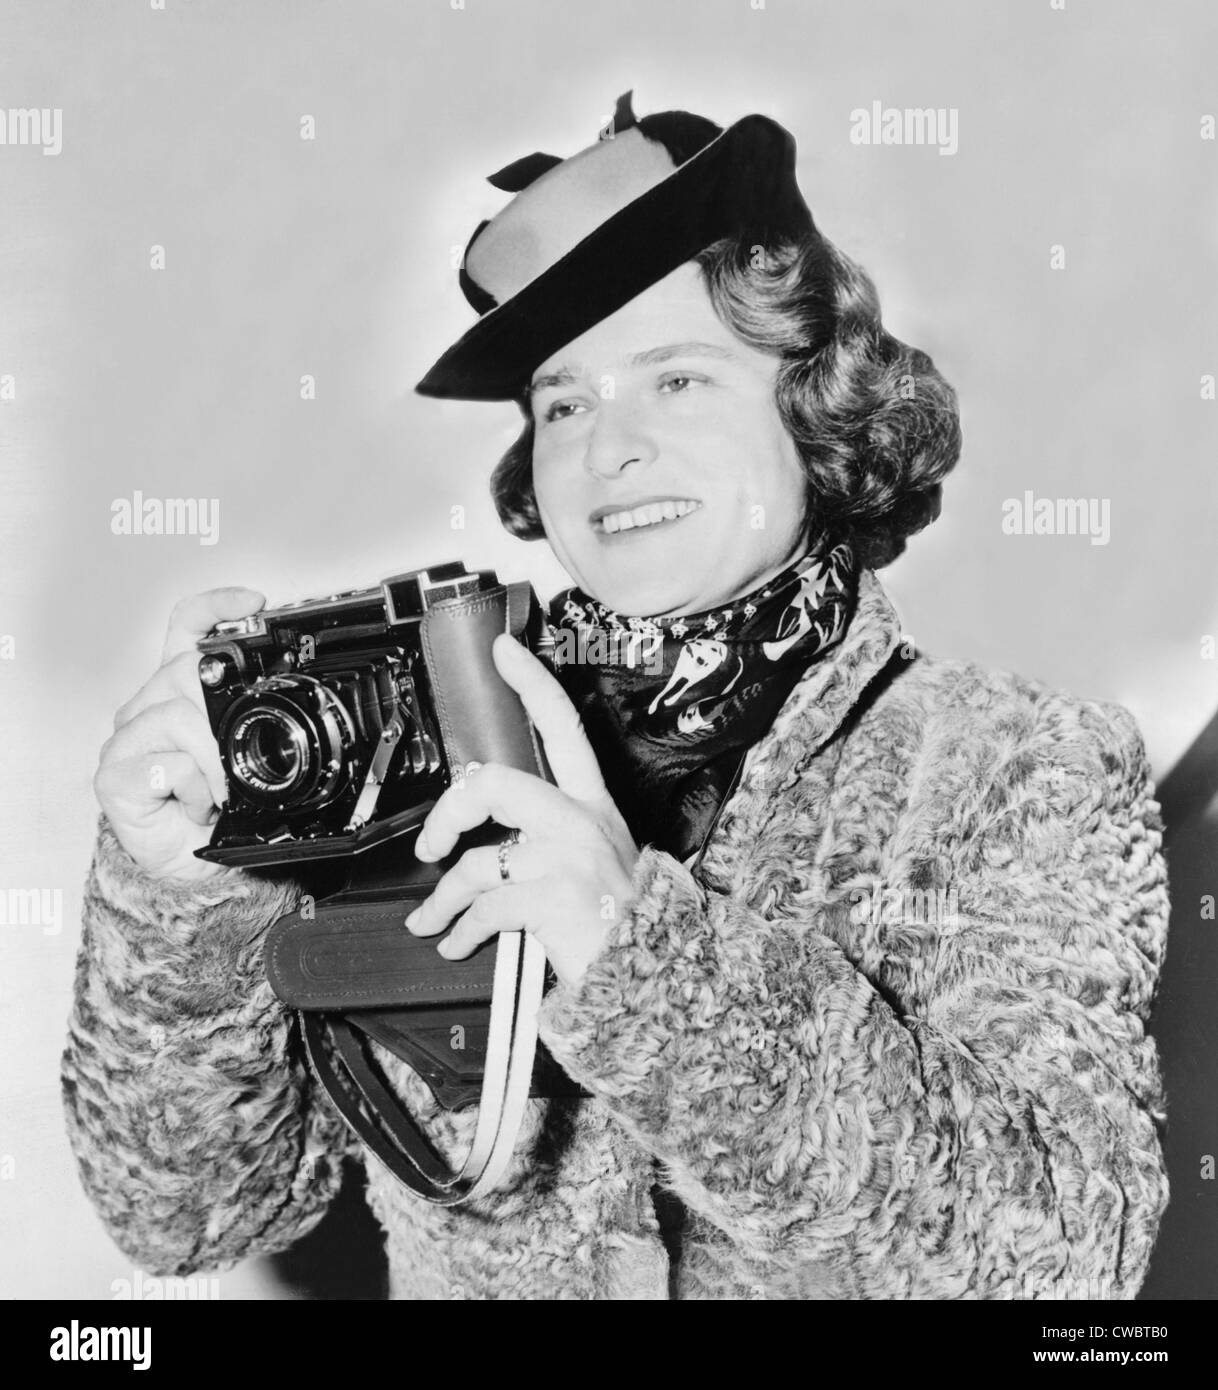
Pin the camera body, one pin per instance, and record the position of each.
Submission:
(326, 721)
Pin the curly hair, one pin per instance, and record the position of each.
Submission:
(876, 426)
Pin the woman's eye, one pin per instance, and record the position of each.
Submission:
(561, 410)
(679, 381)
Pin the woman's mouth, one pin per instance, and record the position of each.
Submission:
(611, 521)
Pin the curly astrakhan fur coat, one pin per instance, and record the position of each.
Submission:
(891, 1044)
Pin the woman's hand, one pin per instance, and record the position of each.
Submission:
(159, 778)
(570, 877)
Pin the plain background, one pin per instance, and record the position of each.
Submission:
(1078, 127)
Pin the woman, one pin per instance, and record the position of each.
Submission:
(854, 948)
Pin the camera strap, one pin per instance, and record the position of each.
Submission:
(338, 1052)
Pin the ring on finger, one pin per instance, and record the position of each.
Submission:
(513, 837)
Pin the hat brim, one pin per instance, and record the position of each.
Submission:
(741, 183)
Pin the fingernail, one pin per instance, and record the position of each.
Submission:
(443, 948)
(413, 917)
(421, 848)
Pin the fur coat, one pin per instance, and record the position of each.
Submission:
(890, 1044)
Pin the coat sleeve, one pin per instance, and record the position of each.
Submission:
(993, 1137)
(196, 1129)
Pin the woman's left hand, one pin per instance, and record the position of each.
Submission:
(570, 876)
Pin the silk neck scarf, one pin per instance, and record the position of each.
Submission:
(670, 705)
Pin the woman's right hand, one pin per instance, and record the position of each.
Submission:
(159, 779)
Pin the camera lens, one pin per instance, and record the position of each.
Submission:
(289, 742)
(271, 749)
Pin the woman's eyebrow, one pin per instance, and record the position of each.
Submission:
(662, 354)
(564, 376)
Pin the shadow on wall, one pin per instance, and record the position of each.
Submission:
(1185, 1262)
(343, 1257)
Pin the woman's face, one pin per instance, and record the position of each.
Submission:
(663, 474)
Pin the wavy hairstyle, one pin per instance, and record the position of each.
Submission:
(876, 426)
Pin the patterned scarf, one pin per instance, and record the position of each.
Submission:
(670, 705)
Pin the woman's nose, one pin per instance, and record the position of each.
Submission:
(617, 440)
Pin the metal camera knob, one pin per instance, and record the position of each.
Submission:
(211, 670)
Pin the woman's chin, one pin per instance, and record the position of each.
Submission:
(642, 600)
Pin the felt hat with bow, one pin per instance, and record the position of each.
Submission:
(584, 235)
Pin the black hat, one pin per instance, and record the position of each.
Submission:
(583, 236)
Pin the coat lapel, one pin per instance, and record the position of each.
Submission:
(818, 705)
(814, 711)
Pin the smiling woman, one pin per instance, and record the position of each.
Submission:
(778, 1095)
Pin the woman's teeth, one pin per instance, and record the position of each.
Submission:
(647, 515)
